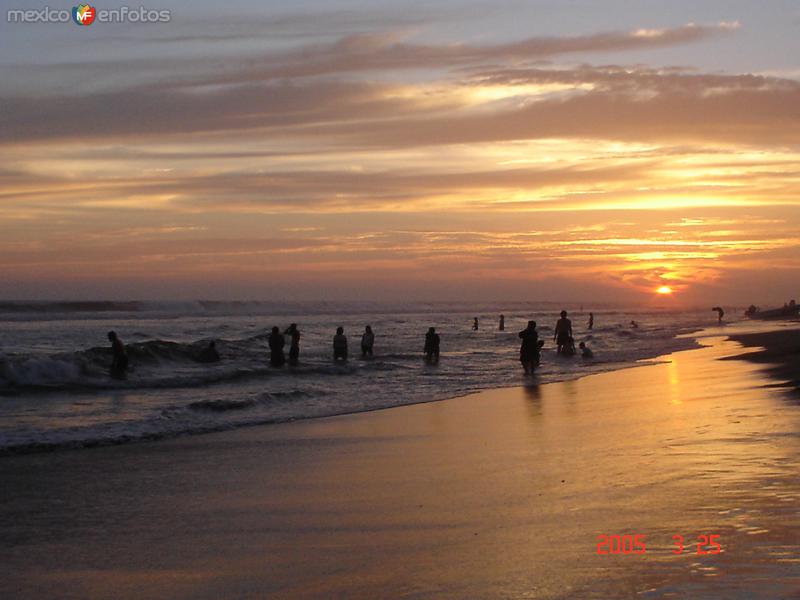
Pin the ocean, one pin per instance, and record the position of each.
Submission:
(56, 392)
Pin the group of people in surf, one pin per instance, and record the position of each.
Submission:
(277, 342)
(530, 349)
(119, 355)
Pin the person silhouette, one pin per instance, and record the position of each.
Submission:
(432, 342)
(529, 350)
(475, 324)
(119, 359)
(502, 326)
(294, 343)
(367, 341)
(591, 321)
(340, 345)
(720, 313)
(562, 333)
(276, 344)
(586, 352)
(209, 354)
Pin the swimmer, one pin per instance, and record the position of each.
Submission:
(276, 344)
(119, 361)
(367, 341)
(562, 333)
(340, 345)
(529, 354)
(432, 342)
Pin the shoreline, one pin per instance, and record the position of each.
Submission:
(780, 350)
(496, 494)
(518, 381)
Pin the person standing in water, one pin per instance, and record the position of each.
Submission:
(432, 341)
(591, 321)
(502, 326)
(475, 324)
(276, 344)
(119, 360)
(367, 341)
(720, 313)
(529, 350)
(294, 343)
(209, 354)
(562, 333)
(340, 345)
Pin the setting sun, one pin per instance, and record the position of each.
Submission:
(664, 289)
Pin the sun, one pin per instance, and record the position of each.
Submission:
(664, 289)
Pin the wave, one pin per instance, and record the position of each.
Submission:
(152, 363)
(161, 364)
(222, 405)
(66, 398)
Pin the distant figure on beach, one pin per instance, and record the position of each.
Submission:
(720, 313)
(340, 345)
(276, 344)
(119, 360)
(591, 321)
(634, 325)
(367, 341)
(475, 324)
(502, 326)
(432, 342)
(586, 352)
(209, 354)
(562, 333)
(529, 353)
(294, 343)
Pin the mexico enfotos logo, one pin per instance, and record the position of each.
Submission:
(85, 15)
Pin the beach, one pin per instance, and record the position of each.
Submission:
(500, 494)
(780, 350)
(56, 391)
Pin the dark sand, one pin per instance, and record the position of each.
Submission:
(497, 495)
(780, 350)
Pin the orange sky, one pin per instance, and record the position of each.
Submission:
(385, 163)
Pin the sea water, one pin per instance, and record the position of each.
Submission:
(56, 392)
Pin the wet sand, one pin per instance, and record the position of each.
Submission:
(497, 495)
(780, 350)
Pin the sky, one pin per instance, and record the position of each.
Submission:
(571, 150)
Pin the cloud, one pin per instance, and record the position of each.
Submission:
(630, 105)
(621, 103)
(368, 52)
(382, 51)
